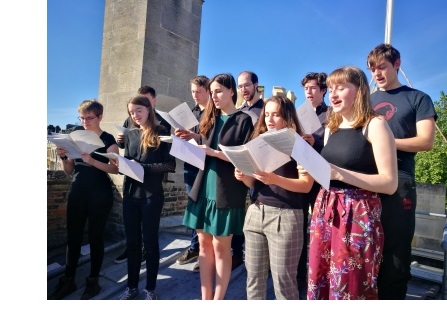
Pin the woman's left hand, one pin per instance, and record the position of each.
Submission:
(208, 151)
(88, 159)
(309, 139)
(265, 177)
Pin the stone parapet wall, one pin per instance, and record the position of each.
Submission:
(58, 186)
(428, 234)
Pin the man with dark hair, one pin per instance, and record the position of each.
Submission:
(201, 94)
(411, 116)
(314, 85)
(247, 84)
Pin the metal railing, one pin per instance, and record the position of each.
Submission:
(53, 161)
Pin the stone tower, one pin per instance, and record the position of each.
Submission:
(148, 42)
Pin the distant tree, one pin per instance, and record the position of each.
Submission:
(431, 167)
(58, 129)
(50, 129)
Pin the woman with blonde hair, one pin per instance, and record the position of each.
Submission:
(346, 235)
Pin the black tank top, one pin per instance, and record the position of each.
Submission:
(348, 148)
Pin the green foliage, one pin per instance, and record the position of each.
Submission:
(431, 166)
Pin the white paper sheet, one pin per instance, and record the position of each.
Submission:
(308, 118)
(127, 167)
(188, 152)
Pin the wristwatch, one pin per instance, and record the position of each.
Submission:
(64, 157)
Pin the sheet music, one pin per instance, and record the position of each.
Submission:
(288, 141)
(255, 155)
(127, 167)
(188, 152)
(240, 157)
(72, 149)
(122, 130)
(308, 118)
(77, 142)
(180, 117)
(282, 140)
(312, 161)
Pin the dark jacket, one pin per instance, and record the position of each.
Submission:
(155, 162)
(231, 193)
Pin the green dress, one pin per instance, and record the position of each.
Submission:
(203, 214)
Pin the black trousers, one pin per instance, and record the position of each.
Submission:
(398, 221)
(302, 265)
(86, 203)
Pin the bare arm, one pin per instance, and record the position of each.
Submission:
(106, 167)
(67, 164)
(186, 134)
(248, 181)
(214, 153)
(384, 148)
(301, 185)
(424, 139)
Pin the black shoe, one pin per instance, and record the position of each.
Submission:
(130, 293)
(187, 256)
(236, 261)
(65, 287)
(122, 258)
(92, 288)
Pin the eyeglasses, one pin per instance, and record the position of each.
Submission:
(244, 86)
(86, 119)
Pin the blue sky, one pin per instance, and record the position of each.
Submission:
(279, 40)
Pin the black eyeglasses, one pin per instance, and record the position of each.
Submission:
(86, 119)
(244, 86)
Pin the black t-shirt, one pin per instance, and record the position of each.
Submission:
(89, 175)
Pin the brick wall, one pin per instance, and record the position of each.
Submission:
(58, 185)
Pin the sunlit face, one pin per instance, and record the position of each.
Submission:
(246, 87)
(313, 93)
(385, 74)
(342, 98)
(272, 118)
(138, 113)
(200, 94)
(89, 120)
(222, 96)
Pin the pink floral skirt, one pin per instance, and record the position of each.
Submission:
(346, 244)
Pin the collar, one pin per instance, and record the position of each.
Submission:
(321, 108)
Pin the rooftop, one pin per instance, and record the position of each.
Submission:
(179, 282)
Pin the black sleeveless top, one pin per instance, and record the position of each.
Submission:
(276, 196)
(348, 148)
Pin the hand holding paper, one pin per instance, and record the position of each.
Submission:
(188, 151)
(288, 141)
(77, 142)
(127, 167)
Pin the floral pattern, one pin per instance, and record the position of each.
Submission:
(346, 244)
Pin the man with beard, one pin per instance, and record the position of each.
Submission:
(247, 84)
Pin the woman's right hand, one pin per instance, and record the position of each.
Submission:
(61, 152)
(120, 138)
(238, 174)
